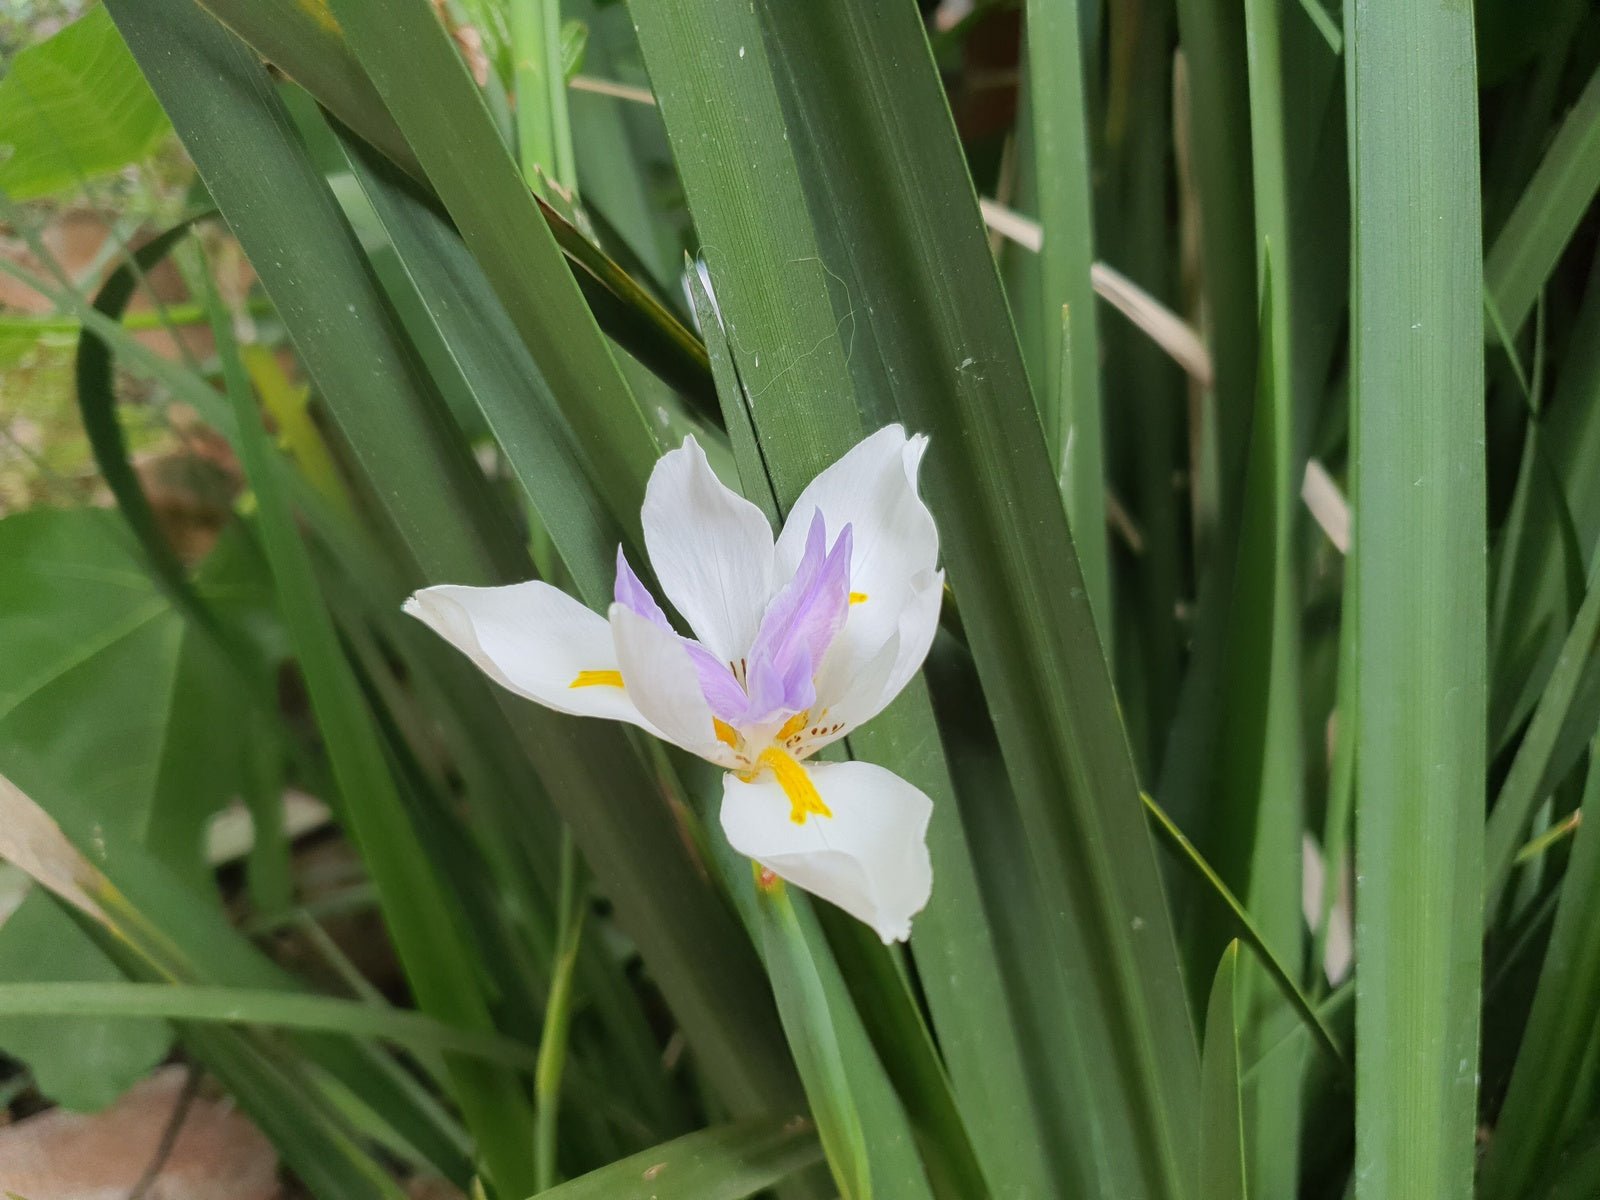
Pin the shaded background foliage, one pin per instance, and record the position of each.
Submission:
(1257, 344)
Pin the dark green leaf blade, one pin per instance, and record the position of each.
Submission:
(1417, 384)
(1222, 1148)
(851, 265)
(418, 910)
(730, 1162)
(1526, 250)
(1546, 1092)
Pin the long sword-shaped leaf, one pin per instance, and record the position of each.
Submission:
(243, 144)
(1546, 1091)
(97, 408)
(1417, 381)
(1548, 750)
(1216, 79)
(1222, 1146)
(1259, 801)
(419, 912)
(247, 1006)
(156, 931)
(414, 65)
(954, 942)
(730, 1162)
(1248, 933)
(1526, 250)
(850, 261)
(500, 375)
(1069, 393)
(306, 43)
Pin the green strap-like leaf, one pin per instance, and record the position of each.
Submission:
(307, 44)
(268, 1009)
(413, 63)
(854, 278)
(307, 259)
(417, 908)
(730, 1162)
(1222, 1146)
(1069, 393)
(1546, 1090)
(1526, 250)
(97, 407)
(1418, 405)
(1565, 705)
(1247, 931)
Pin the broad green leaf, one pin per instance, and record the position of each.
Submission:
(74, 107)
(154, 929)
(1547, 1096)
(79, 1064)
(1222, 1146)
(730, 1162)
(856, 285)
(1417, 397)
(98, 657)
(1525, 251)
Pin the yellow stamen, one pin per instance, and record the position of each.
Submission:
(858, 597)
(726, 734)
(796, 783)
(597, 679)
(793, 725)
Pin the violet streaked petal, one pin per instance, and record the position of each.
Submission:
(779, 685)
(717, 684)
(721, 689)
(631, 593)
(807, 614)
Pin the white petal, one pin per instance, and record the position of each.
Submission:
(533, 639)
(711, 550)
(852, 700)
(662, 681)
(870, 857)
(874, 489)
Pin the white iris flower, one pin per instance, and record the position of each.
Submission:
(797, 642)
